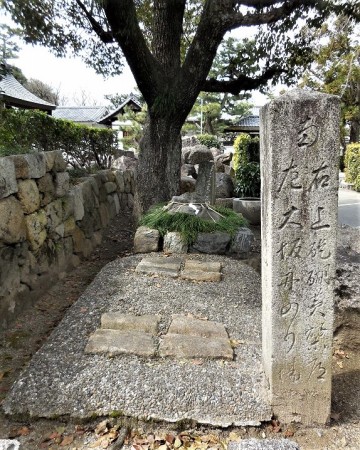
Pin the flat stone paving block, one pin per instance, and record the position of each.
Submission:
(128, 322)
(163, 266)
(197, 275)
(199, 266)
(196, 327)
(116, 342)
(264, 444)
(183, 346)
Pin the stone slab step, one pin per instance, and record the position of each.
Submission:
(196, 327)
(146, 323)
(189, 347)
(194, 275)
(115, 342)
(264, 444)
(158, 265)
(200, 266)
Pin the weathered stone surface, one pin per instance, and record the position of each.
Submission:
(116, 203)
(79, 209)
(205, 183)
(28, 195)
(300, 142)
(146, 240)
(197, 154)
(188, 170)
(21, 166)
(225, 202)
(200, 266)
(116, 342)
(61, 184)
(35, 229)
(110, 187)
(224, 186)
(174, 243)
(8, 183)
(216, 243)
(36, 164)
(119, 178)
(242, 241)
(194, 275)
(82, 245)
(188, 347)
(12, 223)
(160, 265)
(104, 215)
(187, 184)
(195, 327)
(146, 323)
(125, 163)
(59, 162)
(54, 214)
(249, 207)
(263, 444)
(9, 273)
(46, 188)
(9, 444)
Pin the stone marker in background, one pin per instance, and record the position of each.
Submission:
(300, 152)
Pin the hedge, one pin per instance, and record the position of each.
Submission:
(246, 149)
(209, 140)
(29, 131)
(352, 165)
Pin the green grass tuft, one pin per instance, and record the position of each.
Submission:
(190, 226)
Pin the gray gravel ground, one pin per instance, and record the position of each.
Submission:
(62, 380)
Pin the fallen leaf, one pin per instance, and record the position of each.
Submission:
(236, 342)
(289, 433)
(335, 416)
(170, 438)
(67, 440)
(197, 362)
(54, 435)
(177, 443)
(340, 364)
(24, 431)
(102, 428)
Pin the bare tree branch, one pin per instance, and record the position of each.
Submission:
(273, 15)
(105, 36)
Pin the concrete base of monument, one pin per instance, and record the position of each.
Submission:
(63, 380)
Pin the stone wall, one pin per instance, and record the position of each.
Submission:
(46, 226)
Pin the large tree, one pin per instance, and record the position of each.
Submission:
(170, 46)
(336, 68)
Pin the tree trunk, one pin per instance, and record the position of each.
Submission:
(158, 171)
(354, 131)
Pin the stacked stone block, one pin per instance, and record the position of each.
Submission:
(46, 227)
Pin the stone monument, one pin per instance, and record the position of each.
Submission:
(300, 151)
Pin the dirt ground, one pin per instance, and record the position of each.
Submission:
(27, 334)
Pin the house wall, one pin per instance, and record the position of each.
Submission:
(46, 226)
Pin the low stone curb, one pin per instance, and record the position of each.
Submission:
(266, 444)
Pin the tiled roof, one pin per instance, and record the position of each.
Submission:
(120, 109)
(81, 113)
(14, 93)
(250, 121)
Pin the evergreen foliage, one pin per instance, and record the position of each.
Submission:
(190, 226)
(209, 140)
(352, 164)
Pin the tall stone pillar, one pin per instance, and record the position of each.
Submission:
(299, 159)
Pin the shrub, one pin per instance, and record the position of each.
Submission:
(352, 165)
(31, 131)
(247, 180)
(209, 140)
(246, 149)
(190, 226)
